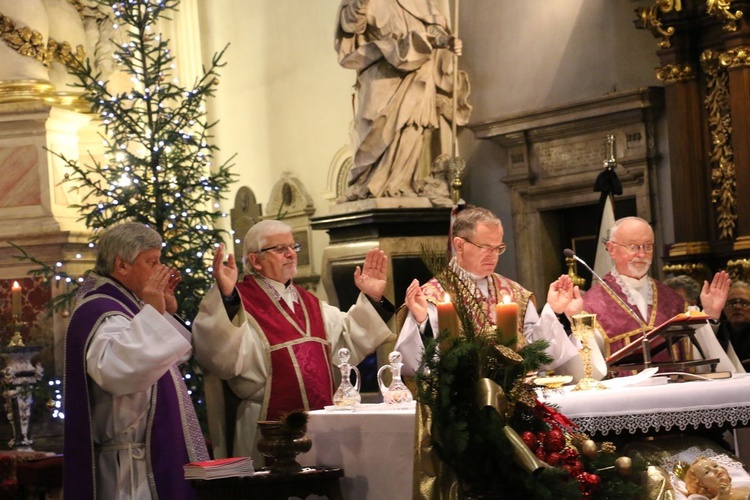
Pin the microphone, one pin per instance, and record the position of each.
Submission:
(571, 254)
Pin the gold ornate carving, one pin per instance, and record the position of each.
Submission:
(24, 90)
(689, 248)
(742, 243)
(737, 57)
(697, 270)
(63, 52)
(30, 43)
(673, 73)
(720, 9)
(739, 269)
(648, 19)
(25, 41)
(721, 157)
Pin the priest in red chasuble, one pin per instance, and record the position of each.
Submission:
(272, 340)
(649, 302)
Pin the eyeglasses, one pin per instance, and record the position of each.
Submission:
(646, 247)
(737, 303)
(282, 249)
(498, 250)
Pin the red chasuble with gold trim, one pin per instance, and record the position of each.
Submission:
(298, 350)
(499, 286)
(619, 325)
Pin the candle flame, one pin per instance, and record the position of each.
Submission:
(506, 299)
(446, 298)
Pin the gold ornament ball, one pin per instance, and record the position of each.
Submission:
(588, 448)
(623, 465)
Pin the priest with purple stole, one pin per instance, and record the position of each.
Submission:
(130, 425)
(273, 341)
(644, 302)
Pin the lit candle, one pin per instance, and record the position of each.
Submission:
(16, 299)
(506, 320)
(447, 317)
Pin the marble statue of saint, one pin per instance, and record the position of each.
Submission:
(403, 52)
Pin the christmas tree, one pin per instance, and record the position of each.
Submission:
(157, 164)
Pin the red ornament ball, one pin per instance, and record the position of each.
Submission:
(530, 439)
(554, 440)
(541, 453)
(574, 468)
(569, 454)
(554, 458)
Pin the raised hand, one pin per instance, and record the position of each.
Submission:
(416, 301)
(714, 296)
(170, 301)
(371, 278)
(154, 290)
(564, 297)
(225, 273)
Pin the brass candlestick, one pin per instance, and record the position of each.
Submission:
(583, 330)
(16, 340)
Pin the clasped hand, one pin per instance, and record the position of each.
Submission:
(158, 291)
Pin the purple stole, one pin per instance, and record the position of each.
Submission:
(173, 436)
(618, 324)
(298, 349)
(502, 286)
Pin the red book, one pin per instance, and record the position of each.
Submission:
(221, 467)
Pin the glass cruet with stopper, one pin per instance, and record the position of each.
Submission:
(347, 394)
(397, 393)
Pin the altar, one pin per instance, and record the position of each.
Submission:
(375, 449)
(657, 406)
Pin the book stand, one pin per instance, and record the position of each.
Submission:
(637, 355)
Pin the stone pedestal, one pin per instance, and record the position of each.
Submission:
(402, 228)
(402, 231)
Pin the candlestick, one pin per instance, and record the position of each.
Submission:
(447, 317)
(506, 320)
(16, 299)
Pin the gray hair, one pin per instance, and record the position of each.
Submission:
(125, 240)
(684, 282)
(468, 218)
(739, 284)
(619, 222)
(257, 237)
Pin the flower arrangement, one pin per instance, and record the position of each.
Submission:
(487, 424)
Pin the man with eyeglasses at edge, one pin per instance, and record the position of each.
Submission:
(631, 246)
(478, 243)
(272, 340)
(734, 329)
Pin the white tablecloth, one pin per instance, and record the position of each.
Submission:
(657, 407)
(375, 449)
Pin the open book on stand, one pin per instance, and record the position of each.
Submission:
(683, 322)
(219, 468)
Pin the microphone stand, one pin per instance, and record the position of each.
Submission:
(644, 341)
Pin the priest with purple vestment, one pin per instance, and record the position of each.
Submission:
(130, 425)
(634, 302)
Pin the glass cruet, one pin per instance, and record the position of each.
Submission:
(397, 393)
(347, 394)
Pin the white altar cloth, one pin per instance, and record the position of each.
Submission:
(375, 449)
(656, 407)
